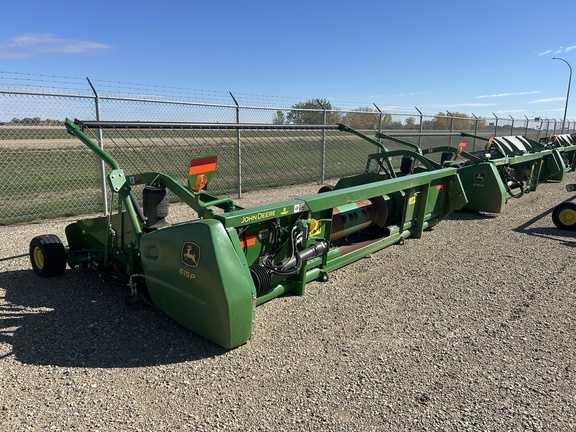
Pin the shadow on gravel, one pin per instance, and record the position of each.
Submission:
(469, 215)
(568, 238)
(80, 320)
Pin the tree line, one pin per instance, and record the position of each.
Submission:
(313, 111)
(33, 121)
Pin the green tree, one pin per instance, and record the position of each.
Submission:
(459, 121)
(27, 121)
(441, 121)
(388, 123)
(36, 121)
(312, 112)
(362, 118)
(280, 118)
(411, 123)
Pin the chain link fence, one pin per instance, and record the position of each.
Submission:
(48, 173)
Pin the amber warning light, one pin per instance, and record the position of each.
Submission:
(200, 182)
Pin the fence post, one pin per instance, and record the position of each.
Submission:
(451, 126)
(379, 120)
(512, 126)
(540, 128)
(451, 121)
(421, 127)
(475, 131)
(323, 167)
(101, 143)
(495, 125)
(238, 147)
(526, 127)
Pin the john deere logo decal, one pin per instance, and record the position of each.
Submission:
(190, 255)
(479, 176)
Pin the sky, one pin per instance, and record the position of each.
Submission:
(476, 57)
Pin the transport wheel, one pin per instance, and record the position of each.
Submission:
(564, 216)
(326, 188)
(47, 255)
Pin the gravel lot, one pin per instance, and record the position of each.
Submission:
(471, 327)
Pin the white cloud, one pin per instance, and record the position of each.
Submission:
(546, 100)
(408, 94)
(28, 45)
(509, 111)
(559, 50)
(507, 94)
(471, 105)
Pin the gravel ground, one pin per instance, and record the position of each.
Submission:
(471, 327)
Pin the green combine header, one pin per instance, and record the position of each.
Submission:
(211, 272)
(504, 167)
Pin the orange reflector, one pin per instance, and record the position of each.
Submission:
(462, 143)
(440, 186)
(247, 240)
(200, 165)
(490, 142)
(200, 183)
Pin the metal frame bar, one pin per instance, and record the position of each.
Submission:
(119, 124)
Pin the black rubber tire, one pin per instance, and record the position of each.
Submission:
(326, 188)
(47, 255)
(564, 216)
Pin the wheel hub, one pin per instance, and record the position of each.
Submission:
(567, 216)
(38, 258)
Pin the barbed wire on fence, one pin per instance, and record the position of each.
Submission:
(55, 84)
